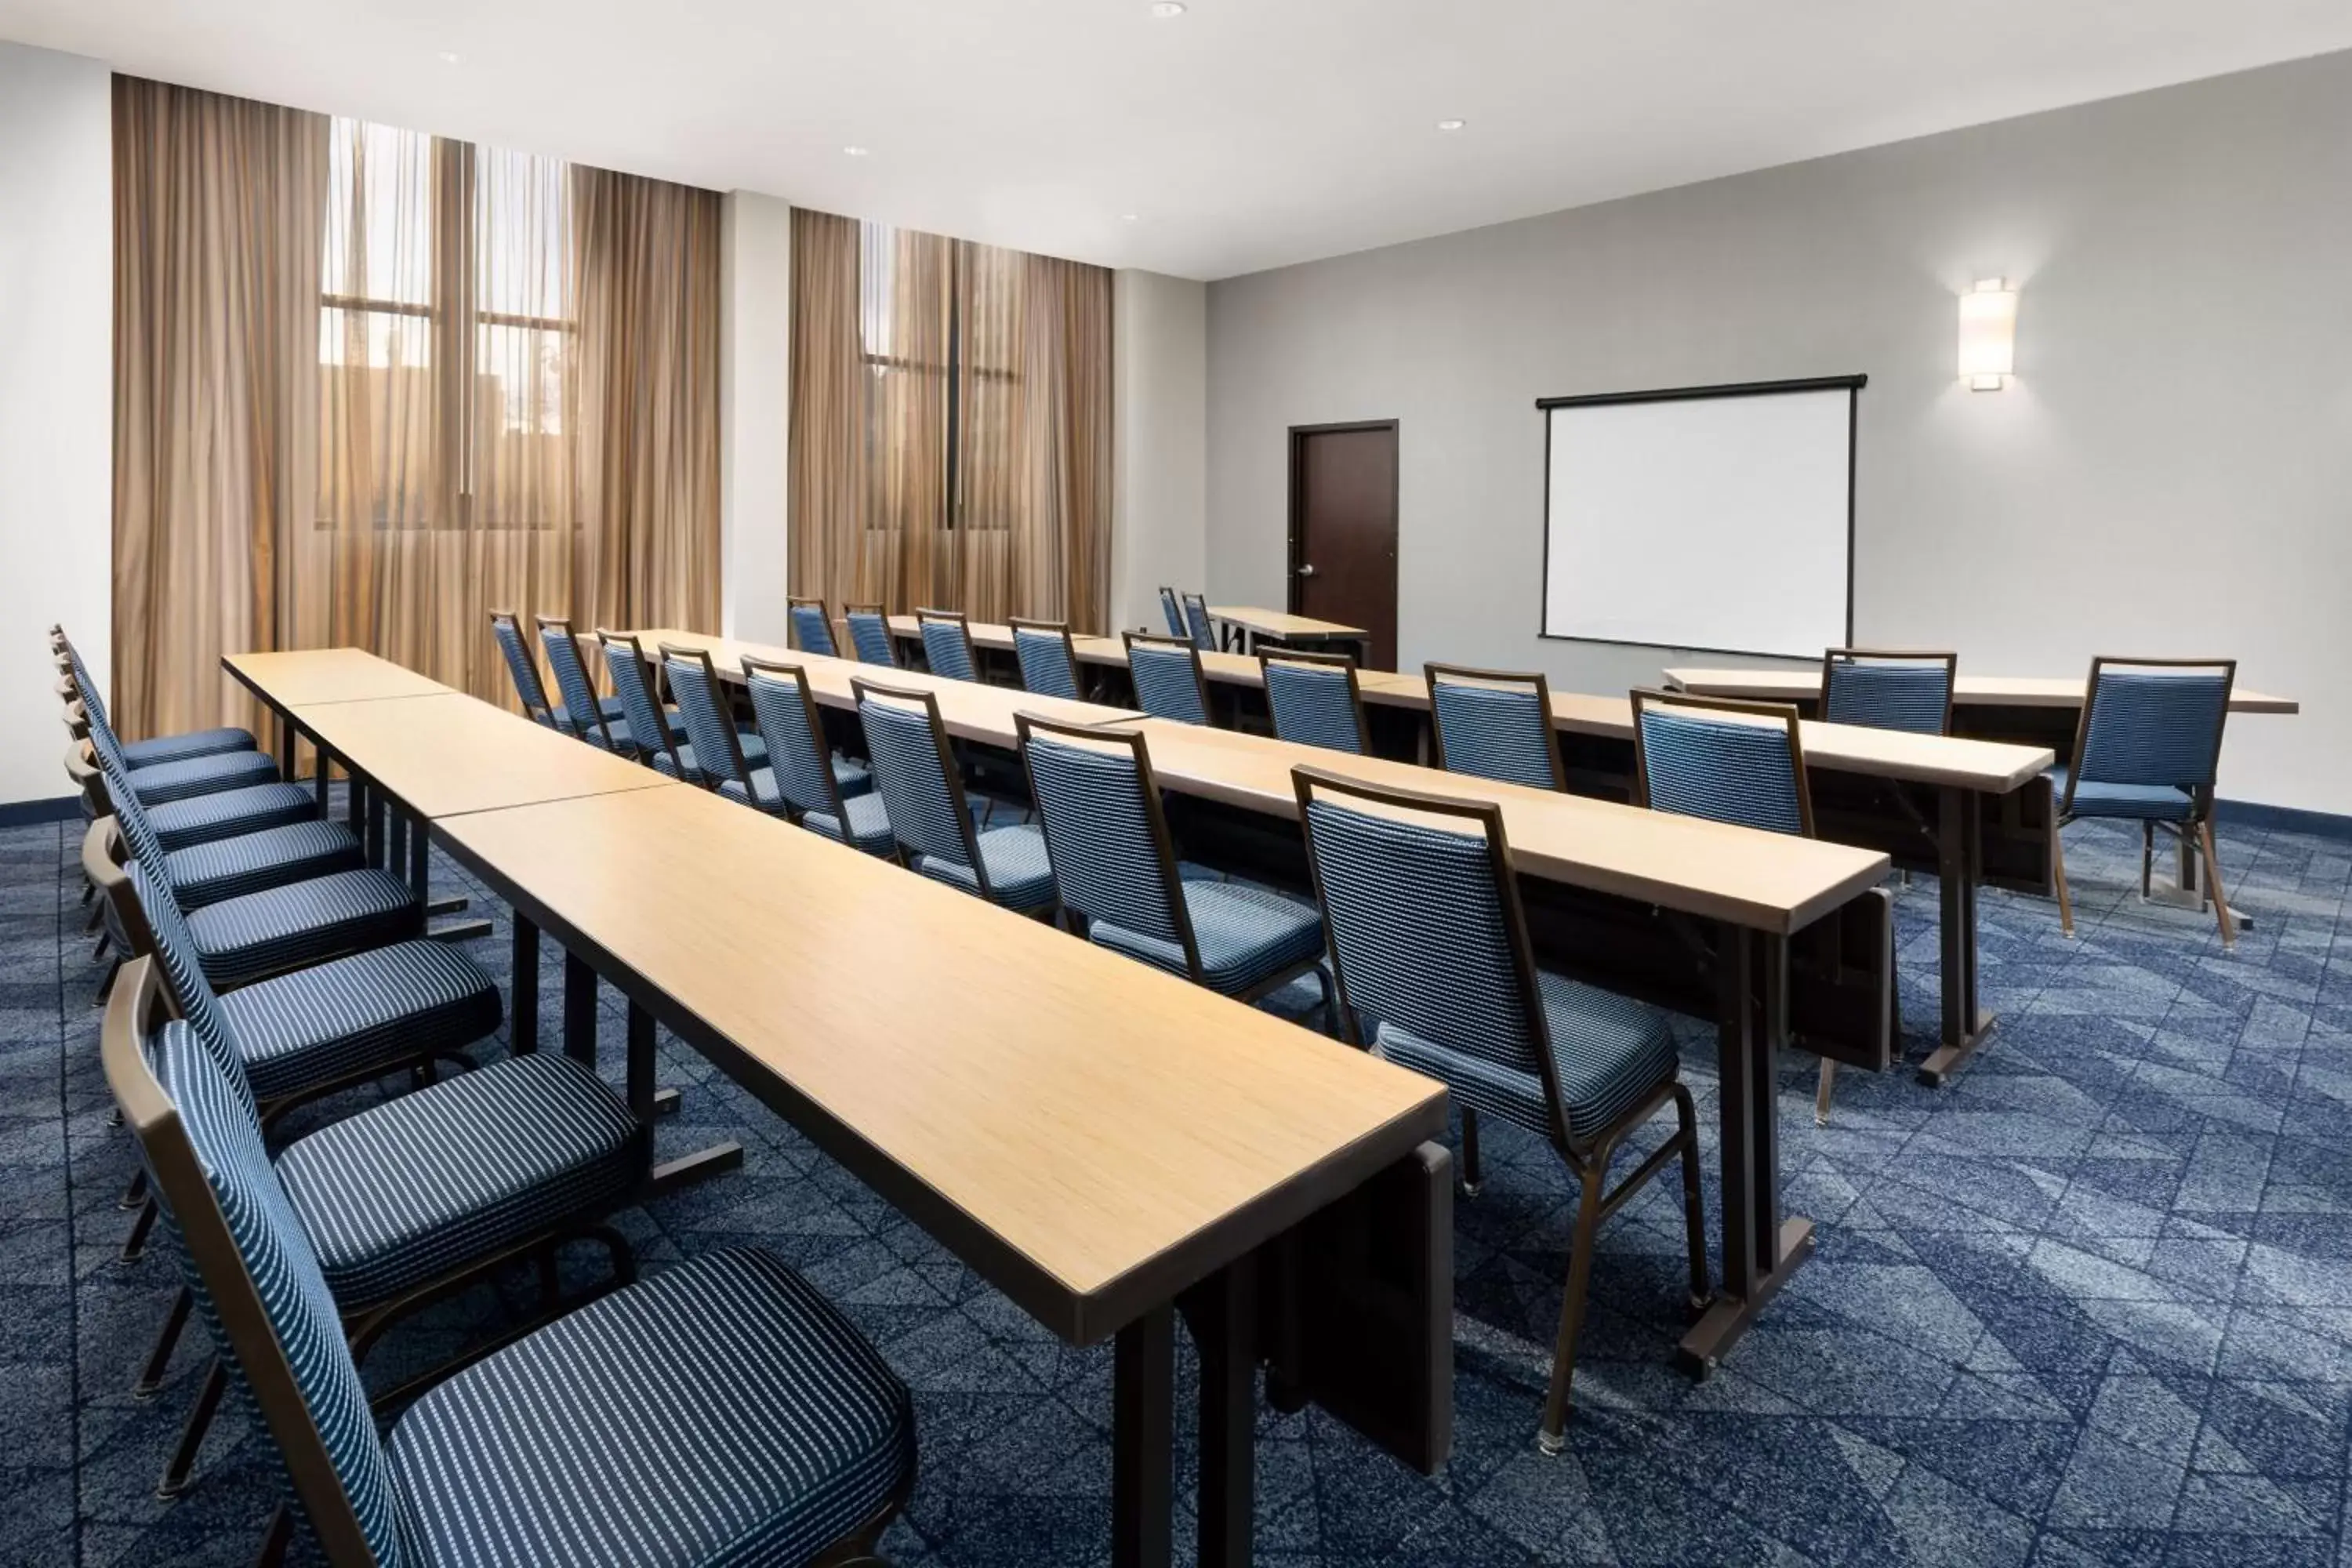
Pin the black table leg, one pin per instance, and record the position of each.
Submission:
(1142, 1442)
(284, 746)
(579, 1010)
(420, 865)
(1220, 1312)
(647, 1102)
(396, 842)
(1760, 1248)
(319, 779)
(1959, 866)
(522, 1033)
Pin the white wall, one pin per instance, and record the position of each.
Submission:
(57, 395)
(2171, 471)
(1158, 457)
(754, 416)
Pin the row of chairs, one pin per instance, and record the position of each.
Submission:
(1416, 939)
(276, 969)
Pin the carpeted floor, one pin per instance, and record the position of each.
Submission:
(2092, 1303)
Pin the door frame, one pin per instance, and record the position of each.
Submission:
(1396, 463)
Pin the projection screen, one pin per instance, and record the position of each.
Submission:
(1715, 519)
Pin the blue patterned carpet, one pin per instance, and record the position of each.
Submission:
(2092, 1303)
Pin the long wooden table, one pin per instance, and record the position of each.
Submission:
(1106, 1144)
(1246, 623)
(1616, 895)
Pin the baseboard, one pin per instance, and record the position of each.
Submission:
(26, 813)
(2282, 819)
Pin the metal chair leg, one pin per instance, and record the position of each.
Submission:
(1331, 999)
(1694, 1211)
(2146, 860)
(158, 1360)
(136, 1193)
(1470, 1181)
(181, 1466)
(135, 1243)
(2058, 871)
(276, 1539)
(1554, 1435)
(1821, 1095)
(106, 981)
(2214, 889)
(105, 941)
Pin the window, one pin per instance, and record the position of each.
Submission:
(934, 317)
(446, 336)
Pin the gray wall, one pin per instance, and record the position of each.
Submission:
(2170, 472)
(1159, 460)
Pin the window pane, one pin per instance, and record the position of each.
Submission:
(379, 242)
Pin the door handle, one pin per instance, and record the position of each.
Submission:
(1308, 571)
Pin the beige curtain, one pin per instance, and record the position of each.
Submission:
(371, 385)
(950, 435)
(217, 207)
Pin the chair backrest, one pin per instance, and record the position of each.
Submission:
(1049, 660)
(1426, 931)
(1721, 758)
(709, 723)
(947, 643)
(1167, 676)
(812, 626)
(2147, 722)
(182, 972)
(1197, 624)
(256, 1276)
(92, 700)
(869, 634)
(1173, 613)
(1314, 700)
(786, 713)
(1886, 689)
(915, 773)
(508, 631)
(580, 704)
(1113, 857)
(633, 683)
(1495, 724)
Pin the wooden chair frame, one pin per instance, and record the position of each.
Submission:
(802, 601)
(861, 689)
(1132, 640)
(782, 672)
(1433, 673)
(1830, 657)
(1345, 663)
(879, 613)
(561, 626)
(1018, 624)
(649, 671)
(743, 771)
(536, 699)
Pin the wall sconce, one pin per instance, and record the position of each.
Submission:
(1988, 334)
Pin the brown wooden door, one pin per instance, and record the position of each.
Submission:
(1343, 530)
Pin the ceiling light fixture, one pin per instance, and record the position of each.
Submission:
(1163, 9)
(1452, 124)
(855, 151)
(1131, 217)
(449, 57)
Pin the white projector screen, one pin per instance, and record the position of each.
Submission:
(1718, 518)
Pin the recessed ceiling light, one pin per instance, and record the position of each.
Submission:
(855, 151)
(1131, 217)
(1452, 124)
(1163, 9)
(449, 57)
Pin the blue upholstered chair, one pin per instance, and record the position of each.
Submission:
(1727, 760)
(1435, 971)
(1495, 724)
(641, 705)
(947, 643)
(1115, 863)
(1166, 672)
(823, 792)
(869, 634)
(1173, 613)
(2148, 751)
(1314, 700)
(185, 778)
(922, 793)
(812, 627)
(799, 1438)
(157, 748)
(716, 754)
(520, 667)
(1049, 660)
(1197, 624)
(582, 714)
(1882, 690)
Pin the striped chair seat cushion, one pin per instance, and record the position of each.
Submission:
(254, 862)
(164, 783)
(721, 1411)
(230, 813)
(1020, 873)
(755, 754)
(195, 743)
(869, 824)
(239, 941)
(2154, 803)
(614, 713)
(763, 791)
(428, 1183)
(333, 1020)
(1610, 1051)
(852, 776)
(1245, 934)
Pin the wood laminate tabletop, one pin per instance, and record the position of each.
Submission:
(306, 675)
(1987, 691)
(450, 754)
(1765, 881)
(1281, 623)
(1093, 1134)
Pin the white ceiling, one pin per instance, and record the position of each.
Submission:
(1243, 134)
